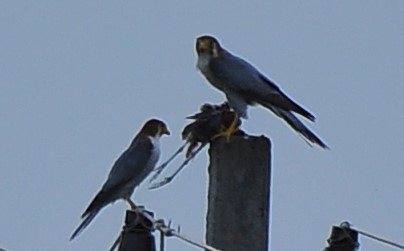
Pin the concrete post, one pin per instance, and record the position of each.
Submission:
(238, 197)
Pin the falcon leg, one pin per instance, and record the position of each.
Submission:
(232, 129)
(131, 203)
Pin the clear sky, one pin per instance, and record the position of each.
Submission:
(78, 78)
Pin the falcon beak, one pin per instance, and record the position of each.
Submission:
(165, 131)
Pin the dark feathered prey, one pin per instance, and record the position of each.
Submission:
(207, 125)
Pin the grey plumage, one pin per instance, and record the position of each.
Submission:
(244, 85)
(128, 171)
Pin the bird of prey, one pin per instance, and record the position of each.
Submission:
(244, 85)
(128, 171)
(210, 123)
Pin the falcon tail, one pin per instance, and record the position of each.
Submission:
(100, 200)
(281, 100)
(89, 217)
(300, 128)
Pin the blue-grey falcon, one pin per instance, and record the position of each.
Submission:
(128, 171)
(244, 85)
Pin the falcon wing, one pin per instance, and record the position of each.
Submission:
(239, 76)
(131, 166)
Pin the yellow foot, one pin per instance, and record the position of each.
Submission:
(228, 132)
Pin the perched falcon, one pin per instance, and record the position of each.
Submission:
(128, 171)
(210, 123)
(244, 85)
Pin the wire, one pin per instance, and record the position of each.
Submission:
(346, 224)
(167, 231)
(164, 231)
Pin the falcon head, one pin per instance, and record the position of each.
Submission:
(208, 45)
(154, 128)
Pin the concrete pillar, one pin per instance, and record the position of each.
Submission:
(238, 196)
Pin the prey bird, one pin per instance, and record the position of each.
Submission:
(210, 123)
(128, 171)
(244, 85)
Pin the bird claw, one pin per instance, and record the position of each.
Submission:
(227, 135)
(228, 132)
(161, 183)
(160, 168)
(157, 171)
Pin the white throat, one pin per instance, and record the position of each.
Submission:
(203, 62)
(156, 146)
(155, 141)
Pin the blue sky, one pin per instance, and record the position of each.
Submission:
(79, 78)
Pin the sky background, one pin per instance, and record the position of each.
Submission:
(78, 79)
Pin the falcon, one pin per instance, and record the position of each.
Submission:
(128, 171)
(244, 85)
(209, 124)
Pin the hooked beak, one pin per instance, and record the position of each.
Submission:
(165, 131)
